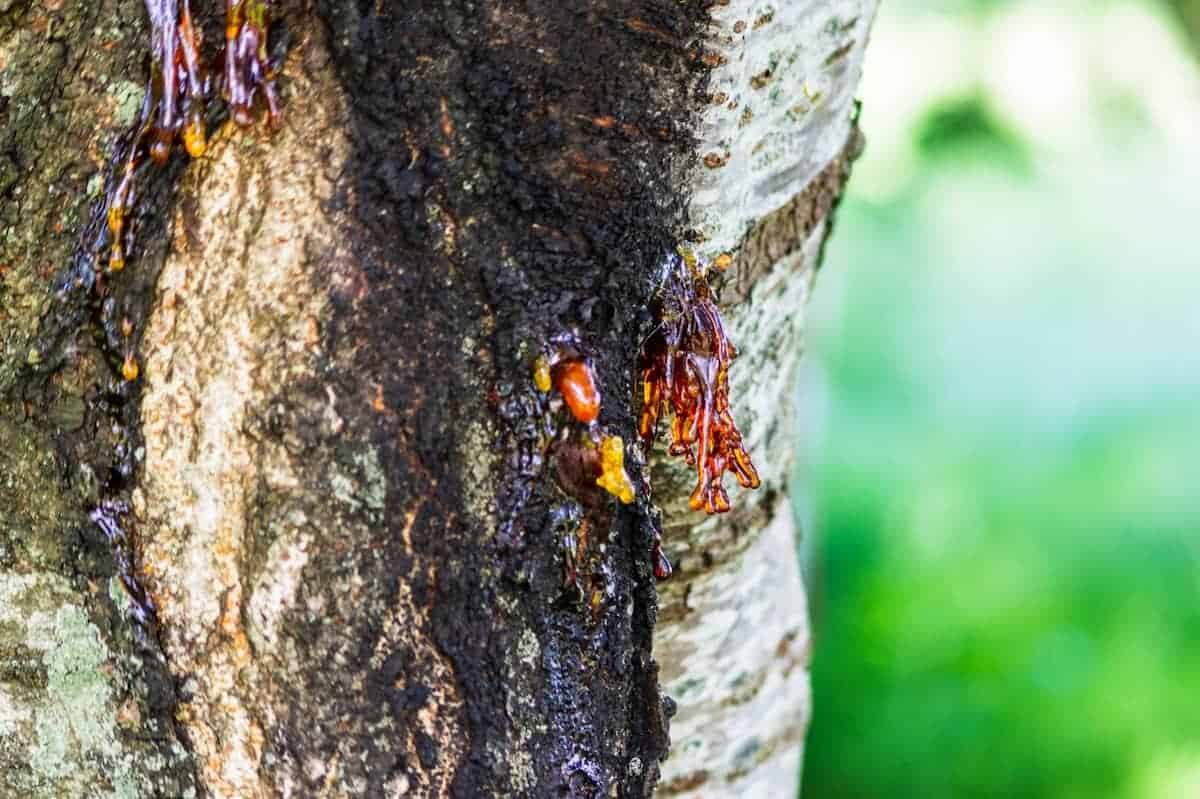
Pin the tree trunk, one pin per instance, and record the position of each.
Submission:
(315, 546)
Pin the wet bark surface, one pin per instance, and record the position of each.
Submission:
(86, 699)
(317, 547)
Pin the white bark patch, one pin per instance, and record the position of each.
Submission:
(782, 104)
(768, 332)
(733, 637)
(236, 272)
(12, 714)
(739, 673)
(228, 328)
(733, 641)
(278, 582)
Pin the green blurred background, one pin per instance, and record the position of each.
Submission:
(1001, 412)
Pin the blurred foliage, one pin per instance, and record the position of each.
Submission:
(1001, 620)
(1006, 579)
(1189, 15)
(966, 127)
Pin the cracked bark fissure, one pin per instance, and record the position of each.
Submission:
(331, 458)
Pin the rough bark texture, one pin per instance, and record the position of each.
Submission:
(86, 700)
(329, 482)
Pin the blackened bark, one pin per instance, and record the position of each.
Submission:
(490, 211)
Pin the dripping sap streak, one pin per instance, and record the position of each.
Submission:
(175, 106)
(107, 516)
(247, 69)
(685, 367)
(176, 100)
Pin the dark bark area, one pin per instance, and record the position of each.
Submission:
(488, 207)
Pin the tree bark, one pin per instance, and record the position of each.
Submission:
(316, 547)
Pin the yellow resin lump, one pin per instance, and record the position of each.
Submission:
(613, 477)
